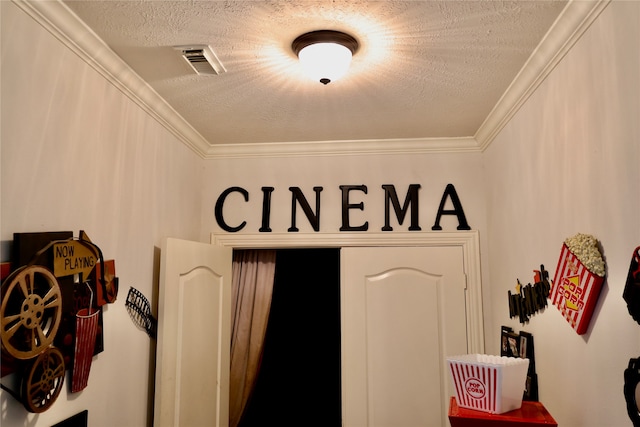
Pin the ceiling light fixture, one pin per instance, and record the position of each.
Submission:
(325, 55)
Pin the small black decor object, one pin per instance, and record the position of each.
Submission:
(530, 299)
(631, 292)
(514, 344)
(140, 311)
(631, 390)
(78, 420)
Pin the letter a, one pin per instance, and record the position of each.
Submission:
(450, 191)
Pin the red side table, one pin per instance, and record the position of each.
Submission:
(531, 414)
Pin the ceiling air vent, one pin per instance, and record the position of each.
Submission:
(202, 59)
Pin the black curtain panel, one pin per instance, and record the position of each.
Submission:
(299, 380)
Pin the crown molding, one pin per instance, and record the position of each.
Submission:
(574, 20)
(344, 148)
(63, 24)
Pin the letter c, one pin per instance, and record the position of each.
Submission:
(219, 206)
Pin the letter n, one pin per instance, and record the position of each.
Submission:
(314, 220)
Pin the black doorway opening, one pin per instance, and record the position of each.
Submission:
(299, 381)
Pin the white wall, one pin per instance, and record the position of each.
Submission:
(78, 154)
(568, 163)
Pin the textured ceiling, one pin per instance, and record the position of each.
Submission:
(425, 69)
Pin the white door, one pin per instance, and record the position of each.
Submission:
(192, 361)
(403, 312)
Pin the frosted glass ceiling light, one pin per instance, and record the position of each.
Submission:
(325, 55)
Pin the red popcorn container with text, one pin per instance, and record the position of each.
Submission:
(493, 384)
(575, 290)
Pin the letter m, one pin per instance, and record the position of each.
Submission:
(391, 198)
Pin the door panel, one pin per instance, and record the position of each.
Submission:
(192, 362)
(403, 312)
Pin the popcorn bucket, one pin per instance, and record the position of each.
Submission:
(86, 330)
(493, 384)
(575, 290)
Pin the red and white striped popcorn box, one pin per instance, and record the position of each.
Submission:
(575, 290)
(493, 384)
(86, 329)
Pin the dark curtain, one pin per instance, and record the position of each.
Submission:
(299, 380)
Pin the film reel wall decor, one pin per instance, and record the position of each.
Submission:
(51, 313)
(31, 310)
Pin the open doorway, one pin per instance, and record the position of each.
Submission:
(192, 379)
(299, 380)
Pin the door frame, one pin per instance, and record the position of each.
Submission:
(468, 241)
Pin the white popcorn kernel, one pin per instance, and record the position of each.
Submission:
(585, 248)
